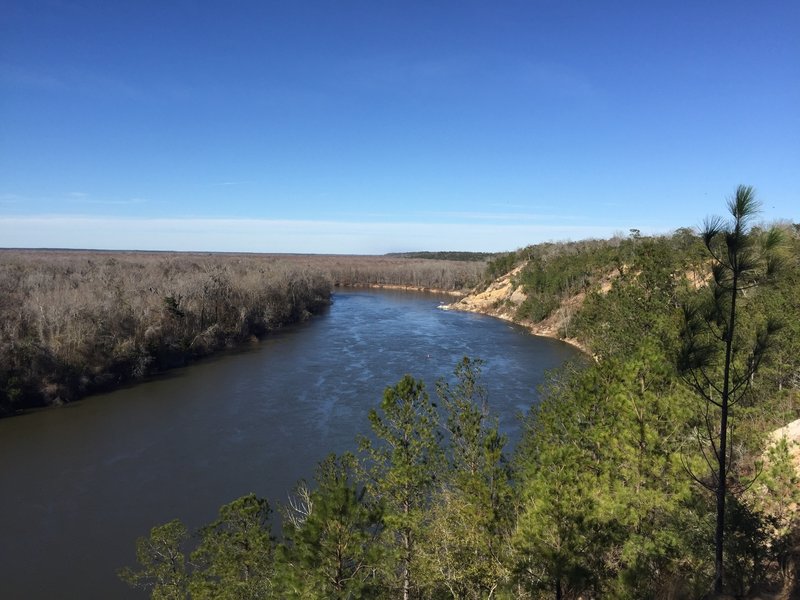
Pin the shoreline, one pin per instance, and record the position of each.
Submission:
(533, 328)
(399, 287)
(502, 297)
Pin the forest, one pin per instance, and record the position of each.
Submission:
(78, 322)
(650, 470)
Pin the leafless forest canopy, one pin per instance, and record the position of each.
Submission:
(74, 322)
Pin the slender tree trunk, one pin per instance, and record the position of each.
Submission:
(719, 568)
(722, 483)
(406, 584)
(558, 588)
(406, 539)
(406, 563)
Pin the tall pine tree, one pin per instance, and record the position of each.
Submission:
(467, 540)
(717, 362)
(404, 460)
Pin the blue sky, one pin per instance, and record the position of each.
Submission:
(371, 127)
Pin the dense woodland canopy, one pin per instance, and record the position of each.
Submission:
(76, 322)
(612, 491)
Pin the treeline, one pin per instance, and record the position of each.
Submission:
(77, 322)
(614, 489)
(418, 273)
(446, 255)
(436, 274)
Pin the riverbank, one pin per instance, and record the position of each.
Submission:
(502, 298)
(403, 288)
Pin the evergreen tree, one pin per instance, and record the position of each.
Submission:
(604, 506)
(644, 502)
(329, 550)
(403, 463)
(234, 560)
(717, 362)
(162, 563)
(467, 539)
(778, 497)
(556, 533)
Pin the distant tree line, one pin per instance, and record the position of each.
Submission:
(446, 255)
(419, 273)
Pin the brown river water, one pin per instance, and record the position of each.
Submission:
(79, 483)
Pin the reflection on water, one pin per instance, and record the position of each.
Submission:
(80, 483)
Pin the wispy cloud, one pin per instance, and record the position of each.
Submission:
(514, 206)
(394, 71)
(18, 76)
(265, 235)
(504, 216)
(459, 216)
(489, 72)
(554, 78)
(75, 81)
(81, 198)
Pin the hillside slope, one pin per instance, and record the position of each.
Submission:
(600, 295)
(504, 297)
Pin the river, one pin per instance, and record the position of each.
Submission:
(79, 483)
